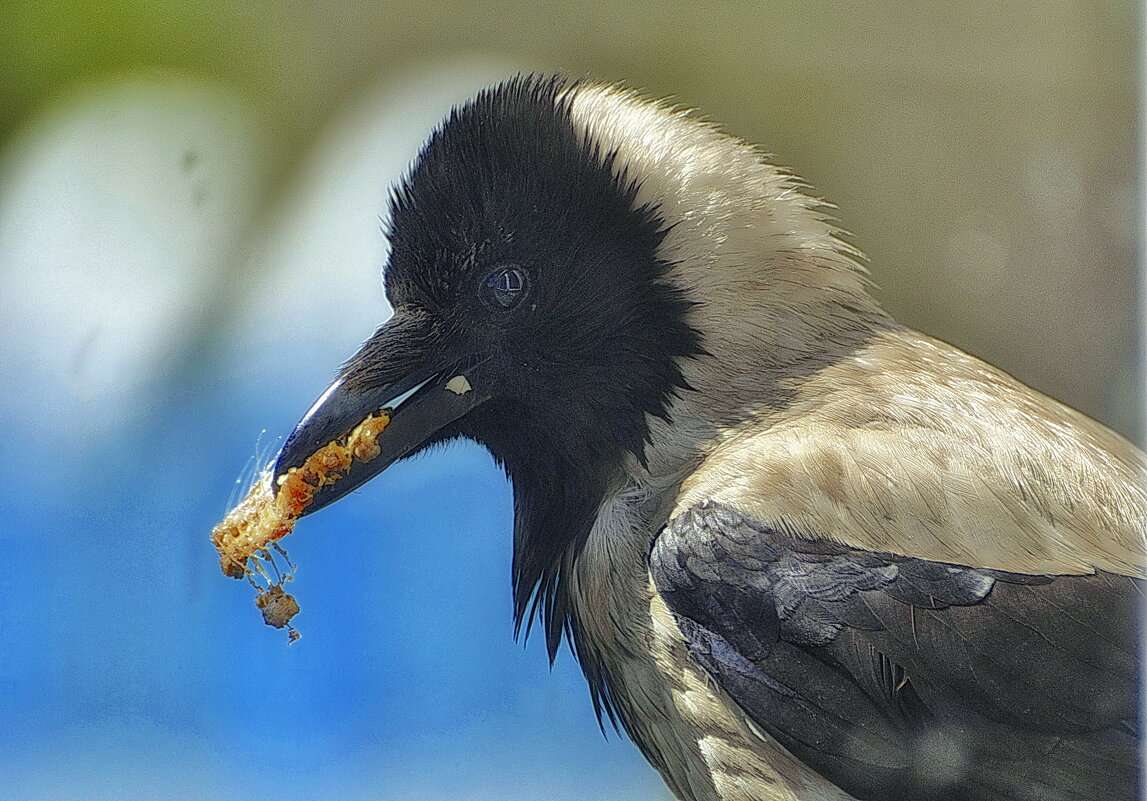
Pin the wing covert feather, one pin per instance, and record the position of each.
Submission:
(902, 678)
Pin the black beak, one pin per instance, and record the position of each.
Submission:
(400, 369)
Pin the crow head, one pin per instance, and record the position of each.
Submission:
(569, 265)
(532, 313)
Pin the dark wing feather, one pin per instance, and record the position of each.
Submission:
(900, 678)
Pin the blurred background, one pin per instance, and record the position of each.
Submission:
(190, 206)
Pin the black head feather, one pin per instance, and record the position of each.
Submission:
(592, 352)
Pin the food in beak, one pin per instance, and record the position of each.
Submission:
(254, 526)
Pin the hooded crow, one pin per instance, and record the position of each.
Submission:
(800, 550)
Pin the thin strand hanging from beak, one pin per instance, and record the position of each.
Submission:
(254, 526)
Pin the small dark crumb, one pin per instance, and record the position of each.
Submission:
(278, 607)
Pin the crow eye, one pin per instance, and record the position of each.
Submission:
(505, 287)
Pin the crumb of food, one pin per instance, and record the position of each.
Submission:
(269, 513)
(278, 607)
(459, 385)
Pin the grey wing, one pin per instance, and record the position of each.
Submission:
(901, 678)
